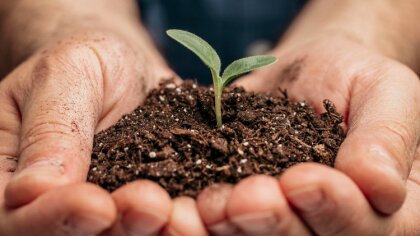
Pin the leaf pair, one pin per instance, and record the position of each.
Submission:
(209, 56)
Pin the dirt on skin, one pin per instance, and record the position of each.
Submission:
(172, 139)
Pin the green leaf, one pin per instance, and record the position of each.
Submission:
(199, 46)
(245, 65)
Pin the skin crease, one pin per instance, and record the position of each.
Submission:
(72, 80)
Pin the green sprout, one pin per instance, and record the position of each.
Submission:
(209, 56)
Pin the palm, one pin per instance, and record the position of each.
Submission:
(50, 108)
(378, 98)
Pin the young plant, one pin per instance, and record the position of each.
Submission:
(209, 56)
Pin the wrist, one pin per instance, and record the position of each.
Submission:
(384, 26)
(30, 25)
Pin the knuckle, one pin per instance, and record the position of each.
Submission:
(401, 142)
(90, 57)
(70, 62)
(108, 48)
(82, 51)
(46, 131)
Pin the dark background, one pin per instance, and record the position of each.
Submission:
(230, 26)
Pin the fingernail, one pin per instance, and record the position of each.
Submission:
(223, 228)
(385, 161)
(307, 199)
(144, 223)
(256, 223)
(85, 225)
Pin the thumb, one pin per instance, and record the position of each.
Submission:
(384, 131)
(59, 113)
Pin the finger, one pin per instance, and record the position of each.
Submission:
(330, 203)
(59, 114)
(9, 140)
(212, 204)
(384, 131)
(185, 219)
(258, 207)
(144, 206)
(80, 209)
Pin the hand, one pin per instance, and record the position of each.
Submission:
(377, 164)
(50, 108)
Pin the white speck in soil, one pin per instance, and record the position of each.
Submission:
(170, 86)
(243, 161)
(240, 152)
(162, 98)
(245, 144)
(198, 162)
(152, 154)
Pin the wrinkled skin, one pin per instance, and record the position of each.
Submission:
(377, 167)
(51, 105)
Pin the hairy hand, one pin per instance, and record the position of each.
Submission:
(377, 171)
(50, 108)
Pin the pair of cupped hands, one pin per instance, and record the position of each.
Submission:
(52, 104)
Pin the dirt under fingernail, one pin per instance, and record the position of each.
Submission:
(172, 139)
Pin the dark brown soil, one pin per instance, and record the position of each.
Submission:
(172, 139)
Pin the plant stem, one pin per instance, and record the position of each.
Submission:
(218, 106)
(217, 87)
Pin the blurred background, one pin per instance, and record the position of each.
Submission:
(235, 28)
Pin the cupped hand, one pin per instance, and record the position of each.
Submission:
(50, 107)
(377, 173)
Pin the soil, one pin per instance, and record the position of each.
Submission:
(172, 139)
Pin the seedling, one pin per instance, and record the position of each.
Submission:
(210, 57)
